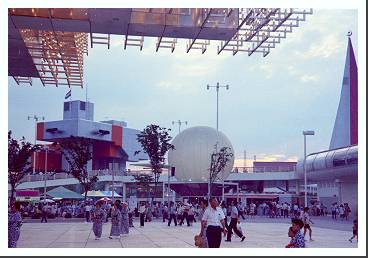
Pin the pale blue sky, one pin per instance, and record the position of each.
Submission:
(270, 102)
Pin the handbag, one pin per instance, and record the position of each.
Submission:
(198, 241)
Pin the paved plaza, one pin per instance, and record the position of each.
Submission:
(155, 234)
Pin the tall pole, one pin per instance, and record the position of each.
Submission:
(35, 118)
(113, 181)
(218, 86)
(305, 133)
(305, 172)
(45, 175)
(179, 122)
(168, 186)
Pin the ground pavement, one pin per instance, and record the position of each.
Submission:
(158, 234)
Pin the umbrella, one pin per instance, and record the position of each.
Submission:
(47, 200)
(105, 199)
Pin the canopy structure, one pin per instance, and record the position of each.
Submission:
(109, 194)
(190, 188)
(101, 194)
(63, 193)
(94, 194)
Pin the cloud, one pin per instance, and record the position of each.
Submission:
(309, 78)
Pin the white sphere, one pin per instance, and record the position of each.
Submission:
(192, 154)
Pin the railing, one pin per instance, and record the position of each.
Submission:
(107, 172)
(104, 172)
(263, 169)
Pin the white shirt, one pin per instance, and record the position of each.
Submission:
(213, 217)
(142, 209)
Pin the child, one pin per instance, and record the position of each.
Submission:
(355, 231)
(298, 239)
(307, 221)
(291, 234)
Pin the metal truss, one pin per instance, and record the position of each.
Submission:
(58, 56)
(260, 29)
(100, 39)
(133, 40)
(23, 80)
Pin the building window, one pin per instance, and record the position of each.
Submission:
(66, 106)
(82, 105)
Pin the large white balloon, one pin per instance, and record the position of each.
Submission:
(192, 154)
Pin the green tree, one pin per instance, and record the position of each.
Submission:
(19, 162)
(77, 152)
(155, 141)
(219, 160)
(144, 181)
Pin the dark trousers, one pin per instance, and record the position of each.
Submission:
(226, 225)
(185, 216)
(87, 216)
(232, 226)
(44, 217)
(241, 214)
(141, 219)
(214, 236)
(286, 213)
(172, 216)
(164, 216)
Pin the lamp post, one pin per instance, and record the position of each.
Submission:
(305, 133)
(218, 86)
(179, 122)
(35, 118)
(45, 174)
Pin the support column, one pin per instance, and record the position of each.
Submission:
(124, 192)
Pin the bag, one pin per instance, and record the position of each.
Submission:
(198, 241)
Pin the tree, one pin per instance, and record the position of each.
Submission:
(144, 181)
(155, 142)
(219, 160)
(77, 152)
(19, 154)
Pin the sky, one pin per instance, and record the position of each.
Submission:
(270, 102)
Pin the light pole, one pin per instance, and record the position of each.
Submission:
(305, 133)
(45, 174)
(179, 122)
(35, 118)
(218, 86)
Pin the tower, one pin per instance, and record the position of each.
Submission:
(345, 131)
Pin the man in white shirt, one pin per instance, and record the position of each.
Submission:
(87, 208)
(213, 218)
(233, 223)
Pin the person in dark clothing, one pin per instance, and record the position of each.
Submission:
(234, 216)
(172, 214)
(185, 215)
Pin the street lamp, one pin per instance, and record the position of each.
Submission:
(35, 118)
(179, 122)
(218, 86)
(305, 133)
(45, 174)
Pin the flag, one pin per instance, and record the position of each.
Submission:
(69, 94)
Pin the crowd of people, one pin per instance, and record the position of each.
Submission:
(214, 218)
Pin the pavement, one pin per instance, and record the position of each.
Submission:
(156, 234)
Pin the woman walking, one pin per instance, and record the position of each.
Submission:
(124, 219)
(203, 207)
(14, 224)
(115, 221)
(142, 212)
(98, 216)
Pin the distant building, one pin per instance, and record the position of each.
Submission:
(113, 143)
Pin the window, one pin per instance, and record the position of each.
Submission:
(82, 105)
(66, 106)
